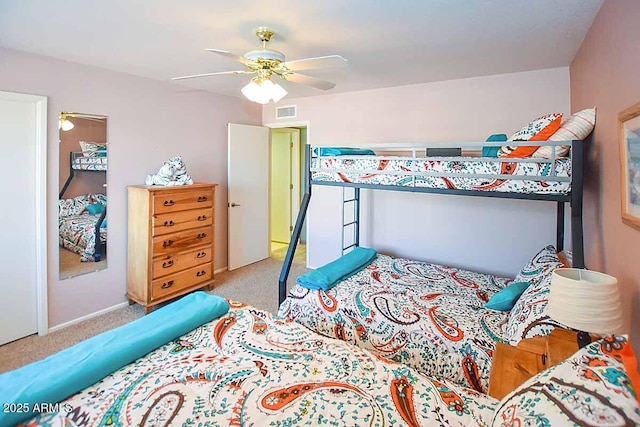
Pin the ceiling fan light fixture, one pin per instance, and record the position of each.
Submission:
(263, 90)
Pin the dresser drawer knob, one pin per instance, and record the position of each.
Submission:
(201, 235)
(169, 223)
(202, 217)
(201, 273)
(167, 264)
(167, 243)
(167, 285)
(201, 254)
(169, 202)
(202, 198)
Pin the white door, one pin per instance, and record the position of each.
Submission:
(248, 194)
(20, 220)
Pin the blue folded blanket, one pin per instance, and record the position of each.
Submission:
(75, 368)
(343, 151)
(327, 276)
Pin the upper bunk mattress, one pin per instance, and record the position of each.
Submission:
(459, 173)
(428, 316)
(90, 163)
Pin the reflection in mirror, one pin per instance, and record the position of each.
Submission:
(82, 200)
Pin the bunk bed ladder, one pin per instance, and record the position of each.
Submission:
(297, 229)
(353, 223)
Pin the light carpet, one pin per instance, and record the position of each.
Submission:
(255, 284)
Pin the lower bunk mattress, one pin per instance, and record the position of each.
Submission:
(427, 316)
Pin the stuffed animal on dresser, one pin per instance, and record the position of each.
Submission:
(173, 172)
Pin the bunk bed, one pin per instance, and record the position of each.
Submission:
(428, 316)
(82, 229)
(202, 361)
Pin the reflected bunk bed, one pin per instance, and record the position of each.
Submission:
(80, 230)
(431, 317)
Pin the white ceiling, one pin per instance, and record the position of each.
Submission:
(387, 43)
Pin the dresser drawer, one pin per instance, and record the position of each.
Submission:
(173, 263)
(172, 201)
(181, 220)
(172, 243)
(181, 280)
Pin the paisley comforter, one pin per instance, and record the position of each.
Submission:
(427, 316)
(78, 234)
(448, 173)
(250, 369)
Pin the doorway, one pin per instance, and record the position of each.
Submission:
(285, 189)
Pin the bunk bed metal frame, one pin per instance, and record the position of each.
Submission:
(102, 245)
(574, 197)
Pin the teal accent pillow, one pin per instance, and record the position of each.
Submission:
(506, 298)
(62, 374)
(343, 151)
(95, 208)
(493, 151)
(327, 276)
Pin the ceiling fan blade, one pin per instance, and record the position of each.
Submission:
(230, 55)
(310, 81)
(319, 62)
(220, 73)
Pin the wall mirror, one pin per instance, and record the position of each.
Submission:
(82, 197)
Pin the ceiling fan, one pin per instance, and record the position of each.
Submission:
(266, 62)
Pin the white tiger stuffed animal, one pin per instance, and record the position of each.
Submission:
(173, 172)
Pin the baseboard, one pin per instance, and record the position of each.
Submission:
(88, 316)
(220, 270)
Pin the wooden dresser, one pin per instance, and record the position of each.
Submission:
(170, 241)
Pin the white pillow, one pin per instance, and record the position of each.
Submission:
(577, 127)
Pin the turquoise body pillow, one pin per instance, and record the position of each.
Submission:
(343, 151)
(493, 151)
(327, 276)
(506, 298)
(75, 368)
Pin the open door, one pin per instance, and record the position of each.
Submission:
(248, 194)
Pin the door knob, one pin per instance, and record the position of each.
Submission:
(233, 205)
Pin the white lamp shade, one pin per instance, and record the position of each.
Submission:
(263, 91)
(585, 300)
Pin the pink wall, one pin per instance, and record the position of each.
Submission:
(605, 73)
(148, 122)
(478, 233)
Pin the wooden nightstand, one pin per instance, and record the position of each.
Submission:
(511, 366)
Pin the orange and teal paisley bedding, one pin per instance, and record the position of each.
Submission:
(90, 163)
(251, 369)
(427, 316)
(447, 173)
(77, 226)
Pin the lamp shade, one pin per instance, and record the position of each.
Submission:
(585, 300)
